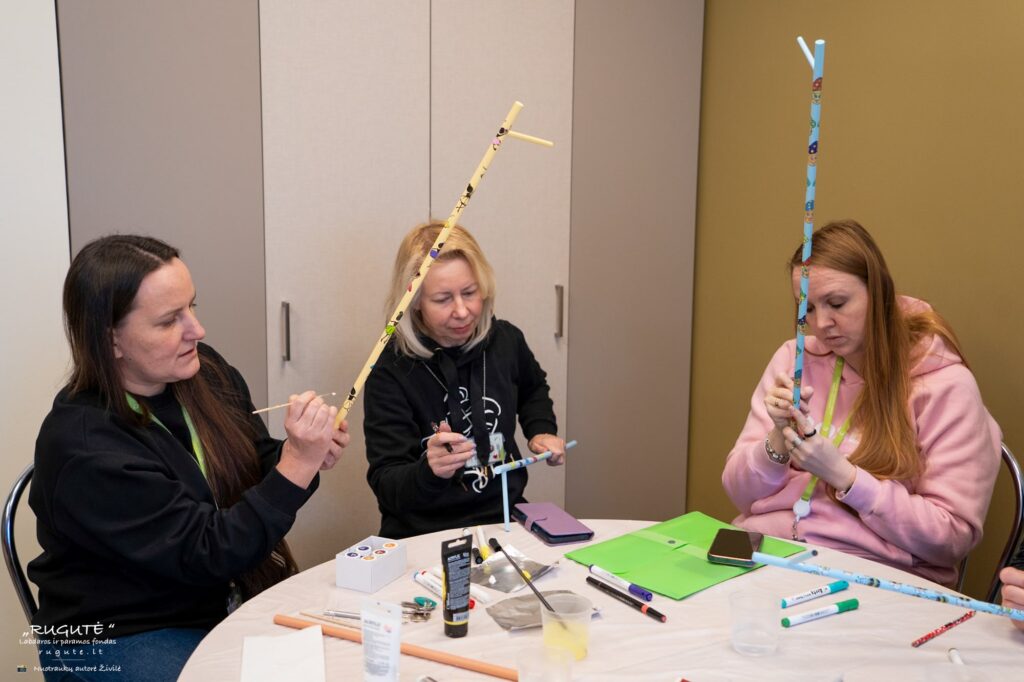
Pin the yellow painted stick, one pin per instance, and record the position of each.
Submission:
(530, 138)
(408, 649)
(429, 259)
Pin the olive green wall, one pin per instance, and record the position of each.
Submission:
(921, 109)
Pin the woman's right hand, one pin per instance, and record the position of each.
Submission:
(779, 399)
(447, 452)
(310, 427)
(1013, 591)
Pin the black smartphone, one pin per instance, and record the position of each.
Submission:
(735, 547)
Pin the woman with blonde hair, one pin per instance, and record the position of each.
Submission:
(443, 398)
(892, 455)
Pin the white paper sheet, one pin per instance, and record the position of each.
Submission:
(295, 657)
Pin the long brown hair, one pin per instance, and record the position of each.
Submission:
(99, 291)
(888, 445)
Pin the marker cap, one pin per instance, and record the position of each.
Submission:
(847, 605)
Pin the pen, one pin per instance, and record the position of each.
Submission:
(475, 591)
(434, 585)
(627, 599)
(831, 588)
(621, 583)
(831, 609)
(447, 446)
(939, 630)
(481, 541)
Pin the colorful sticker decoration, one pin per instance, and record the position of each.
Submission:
(431, 257)
(808, 227)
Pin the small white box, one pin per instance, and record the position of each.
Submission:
(367, 571)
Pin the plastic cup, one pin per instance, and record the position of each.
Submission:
(544, 664)
(755, 622)
(569, 626)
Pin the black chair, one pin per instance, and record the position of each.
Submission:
(21, 584)
(1017, 526)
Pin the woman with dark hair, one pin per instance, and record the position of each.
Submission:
(453, 368)
(892, 455)
(161, 501)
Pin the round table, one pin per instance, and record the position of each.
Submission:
(871, 643)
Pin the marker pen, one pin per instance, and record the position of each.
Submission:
(831, 609)
(621, 582)
(475, 591)
(831, 588)
(433, 584)
(485, 550)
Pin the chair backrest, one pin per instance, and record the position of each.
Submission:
(1016, 527)
(21, 584)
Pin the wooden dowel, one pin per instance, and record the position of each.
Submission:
(429, 259)
(476, 666)
(530, 138)
(277, 407)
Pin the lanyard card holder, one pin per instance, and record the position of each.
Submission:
(551, 523)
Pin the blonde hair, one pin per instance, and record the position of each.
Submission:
(414, 248)
(888, 446)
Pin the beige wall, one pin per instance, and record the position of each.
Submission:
(34, 257)
(920, 116)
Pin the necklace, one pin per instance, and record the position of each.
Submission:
(481, 473)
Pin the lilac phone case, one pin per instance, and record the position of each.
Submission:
(551, 523)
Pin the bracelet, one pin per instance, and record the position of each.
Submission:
(840, 494)
(774, 456)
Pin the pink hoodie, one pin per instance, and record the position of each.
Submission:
(925, 526)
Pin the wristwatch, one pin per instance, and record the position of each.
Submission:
(775, 456)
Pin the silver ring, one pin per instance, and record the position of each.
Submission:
(797, 441)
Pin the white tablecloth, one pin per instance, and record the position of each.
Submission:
(872, 643)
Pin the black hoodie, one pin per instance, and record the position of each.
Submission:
(497, 380)
(130, 532)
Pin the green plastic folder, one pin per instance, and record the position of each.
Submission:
(670, 558)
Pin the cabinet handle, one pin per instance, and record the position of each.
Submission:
(286, 331)
(559, 310)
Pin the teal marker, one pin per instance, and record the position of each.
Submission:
(831, 588)
(823, 612)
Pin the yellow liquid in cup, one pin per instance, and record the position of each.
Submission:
(573, 637)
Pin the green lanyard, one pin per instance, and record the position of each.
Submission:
(197, 446)
(234, 598)
(802, 507)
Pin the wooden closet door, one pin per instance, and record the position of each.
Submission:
(484, 57)
(345, 132)
(162, 138)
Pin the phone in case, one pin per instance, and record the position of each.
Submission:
(735, 547)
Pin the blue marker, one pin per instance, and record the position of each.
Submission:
(831, 588)
(619, 582)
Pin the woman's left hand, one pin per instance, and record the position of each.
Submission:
(339, 441)
(814, 453)
(543, 442)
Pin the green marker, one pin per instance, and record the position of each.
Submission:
(831, 609)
